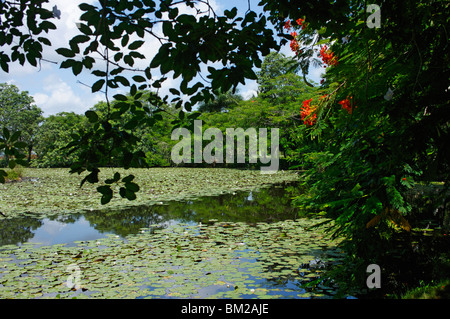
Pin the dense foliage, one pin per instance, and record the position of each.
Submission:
(20, 120)
(382, 125)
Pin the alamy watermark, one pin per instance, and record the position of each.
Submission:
(374, 20)
(374, 279)
(74, 279)
(257, 146)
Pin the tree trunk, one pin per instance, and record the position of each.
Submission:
(30, 150)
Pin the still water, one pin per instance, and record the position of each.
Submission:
(264, 205)
(238, 245)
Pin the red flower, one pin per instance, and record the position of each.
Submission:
(346, 105)
(327, 56)
(308, 117)
(288, 25)
(294, 45)
(300, 21)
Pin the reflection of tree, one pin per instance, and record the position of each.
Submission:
(18, 230)
(125, 221)
(66, 218)
(264, 205)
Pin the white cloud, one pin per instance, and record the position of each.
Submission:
(249, 90)
(316, 73)
(66, 26)
(58, 96)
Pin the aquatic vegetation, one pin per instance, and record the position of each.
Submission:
(55, 191)
(235, 245)
(215, 260)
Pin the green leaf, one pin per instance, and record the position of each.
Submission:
(6, 133)
(128, 179)
(161, 55)
(65, 52)
(105, 189)
(99, 73)
(3, 174)
(174, 91)
(107, 193)
(45, 41)
(123, 80)
(92, 116)
(133, 90)
(97, 86)
(132, 124)
(12, 164)
(67, 64)
(120, 97)
(20, 145)
(84, 29)
(128, 59)
(118, 56)
(125, 40)
(116, 71)
(77, 67)
(80, 39)
(148, 73)
(168, 30)
(133, 187)
(139, 78)
(194, 115)
(173, 13)
(136, 45)
(187, 19)
(15, 136)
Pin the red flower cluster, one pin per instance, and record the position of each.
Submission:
(327, 56)
(300, 22)
(346, 105)
(308, 117)
(288, 25)
(295, 46)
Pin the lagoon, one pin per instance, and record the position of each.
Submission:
(240, 244)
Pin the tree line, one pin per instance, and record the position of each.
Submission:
(277, 105)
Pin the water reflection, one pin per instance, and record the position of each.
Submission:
(264, 205)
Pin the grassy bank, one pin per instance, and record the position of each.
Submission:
(440, 290)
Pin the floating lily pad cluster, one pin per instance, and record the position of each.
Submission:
(213, 260)
(55, 191)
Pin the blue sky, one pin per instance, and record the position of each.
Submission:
(56, 90)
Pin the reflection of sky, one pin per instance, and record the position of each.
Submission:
(53, 232)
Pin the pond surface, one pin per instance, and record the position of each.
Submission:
(242, 245)
(263, 205)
